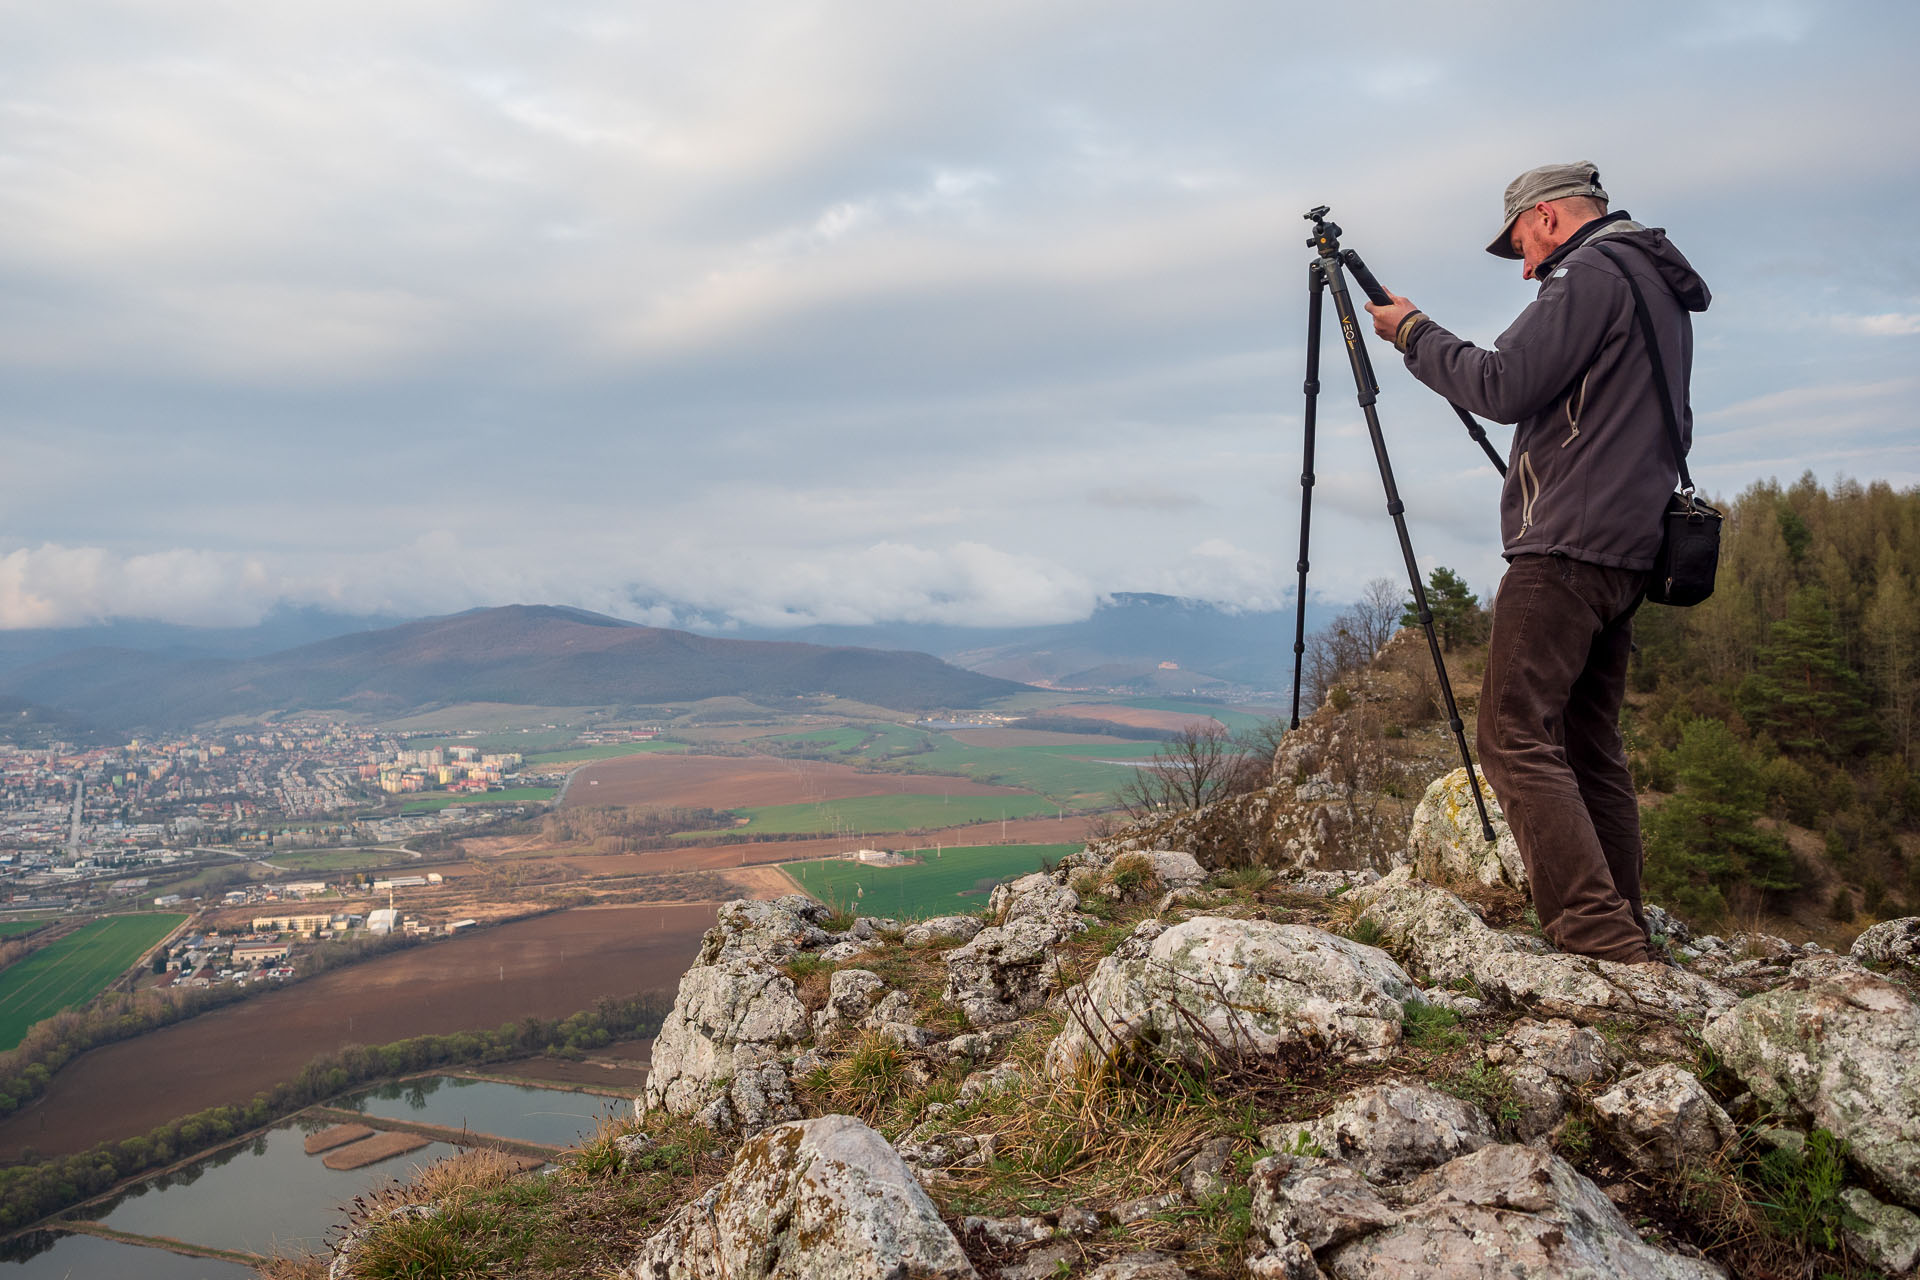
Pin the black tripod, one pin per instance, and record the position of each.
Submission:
(1325, 272)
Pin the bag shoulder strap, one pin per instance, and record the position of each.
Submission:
(1661, 384)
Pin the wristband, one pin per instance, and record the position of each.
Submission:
(1404, 333)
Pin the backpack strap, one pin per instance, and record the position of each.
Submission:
(1660, 382)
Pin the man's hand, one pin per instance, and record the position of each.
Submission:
(1387, 320)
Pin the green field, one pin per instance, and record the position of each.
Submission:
(512, 795)
(70, 972)
(341, 859)
(951, 883)
(13, 928)
(1073, 777)
(607, 751)
(880, 815)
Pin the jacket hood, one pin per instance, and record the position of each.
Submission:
(1672, 265)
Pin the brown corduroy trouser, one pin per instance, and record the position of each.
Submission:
(1549, 742)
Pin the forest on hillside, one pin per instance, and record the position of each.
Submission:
(1790, 694)
(1772, 727)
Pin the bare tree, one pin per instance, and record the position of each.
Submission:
(1200, 764)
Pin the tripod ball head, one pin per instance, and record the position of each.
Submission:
(1326, 235)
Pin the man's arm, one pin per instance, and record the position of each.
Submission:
(1543, 351)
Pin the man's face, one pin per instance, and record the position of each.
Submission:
(1530, 238)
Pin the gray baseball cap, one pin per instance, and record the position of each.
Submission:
(1535, 186)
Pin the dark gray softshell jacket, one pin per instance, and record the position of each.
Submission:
(1591, 467)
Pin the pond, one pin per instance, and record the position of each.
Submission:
(264, 1196)
(46, 1255)
(524, 1112)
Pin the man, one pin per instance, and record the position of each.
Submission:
(1588, 475)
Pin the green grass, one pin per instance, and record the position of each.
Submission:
(880, 815)
(606, 751)
(70, 972)
(341, 859)
(11, 928)
(512, 795)
(945, 885)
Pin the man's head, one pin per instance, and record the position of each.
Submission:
(1544, 207)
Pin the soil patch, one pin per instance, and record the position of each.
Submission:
(338, 1136)
(545, 967)
(749, 782)
(358, 1155)
(1139, 717)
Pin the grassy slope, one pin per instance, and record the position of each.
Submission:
(70, 972)
(932, 888)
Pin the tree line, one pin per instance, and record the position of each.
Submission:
(32, 1191)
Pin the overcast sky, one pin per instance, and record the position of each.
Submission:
(825, 310)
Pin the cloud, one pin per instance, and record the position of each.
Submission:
(841, 312)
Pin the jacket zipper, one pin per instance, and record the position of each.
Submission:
(1529, 493)
(1576, 405)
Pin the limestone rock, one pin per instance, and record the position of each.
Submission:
(1134, 877)
(1575, 1054)
(1891, 942)
(851, 994)
(768, 932)
(1393, 1130)
(1317, 1201)
(1146, 1265)
(1663, 1120)
(346, 1252)
(1843, 1052)
(1447, 845)
(1450, 942)
(1885, 1236)
(943, 931)
(1509, 1211)
(823, 1199)
(1205, 1174)
(1012, 968)
(720, 1009)
(1245, 986)
(1005, 1233)
(1504, 1210)
(984, 1084)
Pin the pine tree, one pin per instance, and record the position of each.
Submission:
(1804, 693)
(1704, 836)
(1457, 615)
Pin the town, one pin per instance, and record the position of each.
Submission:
(94, 827)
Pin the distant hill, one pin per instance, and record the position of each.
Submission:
(284, 627)
(1125, 644)
(536, 655)
(26, 724)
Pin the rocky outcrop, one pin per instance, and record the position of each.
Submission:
(1544, 1063)
(718, 1052)
(1503, 1210)
(823, 1199)
(1215, 985)
(1011, 968)
(1663, 1120)
(1884, 1235)
(1390, 1131)
(1447, 940)
(1447, 846)
(1891, 943)
(1844, 1053)
(726, 1017)
(942, 931)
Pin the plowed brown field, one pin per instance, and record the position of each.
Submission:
(548, 966)
(744, 782)
(1139, 717)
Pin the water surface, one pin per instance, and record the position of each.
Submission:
(264, 1196)
(62, 1257)
(527, 1113)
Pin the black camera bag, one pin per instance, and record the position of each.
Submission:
(1683, 568)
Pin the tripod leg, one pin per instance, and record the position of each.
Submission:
(1368, 392)
(1316, 284)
